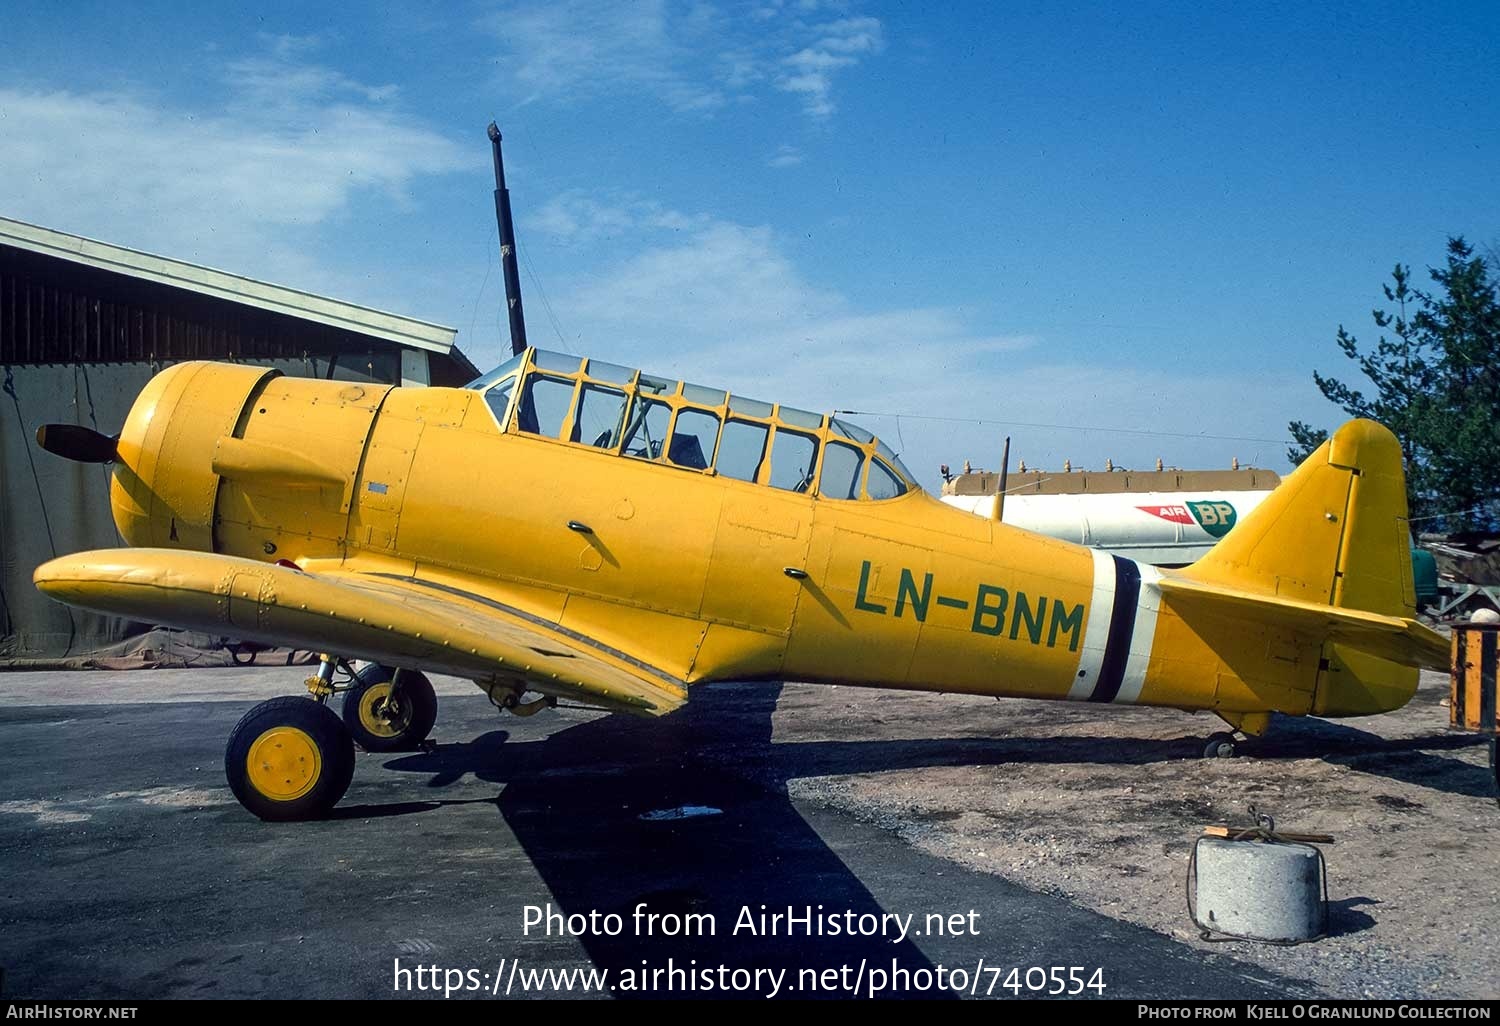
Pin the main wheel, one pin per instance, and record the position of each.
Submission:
(289, 758)
(1219, 746)
(383, 718)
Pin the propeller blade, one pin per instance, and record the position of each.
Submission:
(77, 443)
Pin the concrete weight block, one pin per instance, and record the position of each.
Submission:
(1259, 890)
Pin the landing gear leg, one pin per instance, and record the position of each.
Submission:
(389, 710)
(1244, 727)
(320, 685)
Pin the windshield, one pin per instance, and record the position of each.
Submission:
(895, 461)
(484, 381)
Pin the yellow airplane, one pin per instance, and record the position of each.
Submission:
(584, 531)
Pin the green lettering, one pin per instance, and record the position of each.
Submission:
(984, 610)
(1071, 621)
(860, 601)
(908, 589)
(1034, 618)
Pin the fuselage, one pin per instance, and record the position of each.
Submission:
(806, 570)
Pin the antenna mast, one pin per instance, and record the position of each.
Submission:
(508, 249)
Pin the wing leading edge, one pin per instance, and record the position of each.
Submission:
(386, 618)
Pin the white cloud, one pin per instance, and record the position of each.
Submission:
(575, 218)
(692, 57)
(578, 48)
(741, 68)
(785, 156)
(723, 304)
(243, 182)
(809, 72)
(852, 35)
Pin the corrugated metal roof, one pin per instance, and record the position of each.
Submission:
(1116, 482)
(405, 331)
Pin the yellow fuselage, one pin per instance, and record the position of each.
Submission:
(696, 574)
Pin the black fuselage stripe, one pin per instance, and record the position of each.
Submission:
(1121, 627)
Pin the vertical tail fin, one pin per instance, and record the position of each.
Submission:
(1335, 531)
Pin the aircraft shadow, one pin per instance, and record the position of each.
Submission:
(574, 802)
(1411, 760)
(1408, 759)
(575, 799)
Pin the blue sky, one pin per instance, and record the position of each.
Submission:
(1130, 216)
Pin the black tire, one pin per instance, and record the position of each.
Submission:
(288, 759)
(1219, 746)
(365, 711)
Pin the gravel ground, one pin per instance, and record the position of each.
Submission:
(1097, 804)
(1102, 805)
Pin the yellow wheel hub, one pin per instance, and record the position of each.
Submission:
(375, 717)
(284, 763)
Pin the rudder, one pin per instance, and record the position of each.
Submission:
(1334, 532)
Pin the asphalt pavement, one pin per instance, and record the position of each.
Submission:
(127, 869)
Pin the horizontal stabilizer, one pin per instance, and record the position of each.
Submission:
(1395, 638)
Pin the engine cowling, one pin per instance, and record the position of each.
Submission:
(164, 488)
(230, 458)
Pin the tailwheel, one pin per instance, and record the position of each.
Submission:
(1220, 745)
(389, 711)
(288, 759)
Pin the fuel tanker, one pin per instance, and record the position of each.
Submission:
(1163, 517)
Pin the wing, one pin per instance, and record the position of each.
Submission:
(1396, 638)
(385, 618)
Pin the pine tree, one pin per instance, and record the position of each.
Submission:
(1436, 384)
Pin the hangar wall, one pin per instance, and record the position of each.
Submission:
(51, 506)
(83, 327)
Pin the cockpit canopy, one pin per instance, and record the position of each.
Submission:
(708, 430)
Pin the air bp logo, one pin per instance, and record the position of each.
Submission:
(1214, 517)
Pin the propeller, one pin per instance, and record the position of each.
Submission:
(77, 443)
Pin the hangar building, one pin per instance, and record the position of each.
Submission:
(83, 326)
